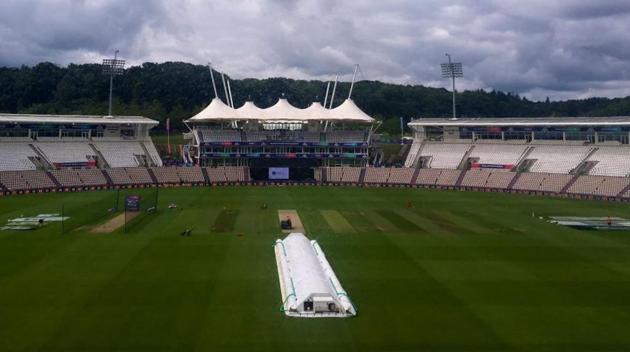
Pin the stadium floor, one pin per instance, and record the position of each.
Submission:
(457, 271)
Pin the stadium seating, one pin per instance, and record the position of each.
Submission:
(120, 154)
(190, 174)
(165, 175)
(345, 136)
(334, 174)
(25, 180)
(497, 153)
(67, 178)
(448, 177)
(557, 159)
(234, 173)
(599, 185)
(213, 135)
(139, 175)
(216, 174)
(15, 156)
(611, 161)
(351, 174)
(428, 176)
(401, 176)
(487, 179)
(546, 182)
(92, 177)
(444, 156)
(376, 175)
(119, 176)
(66, 152)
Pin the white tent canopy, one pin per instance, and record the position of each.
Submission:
(281, 111)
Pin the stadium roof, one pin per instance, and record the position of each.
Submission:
(524, 121)
(217, 110)
(74, 119)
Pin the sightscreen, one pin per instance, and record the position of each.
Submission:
(278, 173)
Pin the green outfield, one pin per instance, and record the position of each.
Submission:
(456, 271)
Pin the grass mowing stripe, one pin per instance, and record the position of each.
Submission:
(337, 222)
(400, 222)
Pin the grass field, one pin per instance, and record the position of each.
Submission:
(456, 272)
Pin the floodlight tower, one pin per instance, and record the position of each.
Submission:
(112, 67)
(452, 70)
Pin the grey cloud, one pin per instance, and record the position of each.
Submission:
(538, 48)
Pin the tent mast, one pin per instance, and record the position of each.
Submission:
(227, 98)
(229, 87)
(326, 96)
(332, 97)
(354, 75)
(214, 86)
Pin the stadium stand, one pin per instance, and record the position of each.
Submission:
(334, 174)
(121, 154)
(216, 174)
(444, 156)
(166, 175)
(345, 136)
(401, 176)
(487, 179)
(497, 153)
(428, 176)
(119, 177)
(213, 135)
(376, 175)
(448, 177)
(350, 174)
(26, 180)
(611, 161)
(190, 174)
(16, 156)
(66, 152)
(67, 178)
(546, 182)
(139, 175)
(599, 185)
(557, 159)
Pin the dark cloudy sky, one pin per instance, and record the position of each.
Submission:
(538, 48)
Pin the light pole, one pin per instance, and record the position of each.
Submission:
(112, 67)
(452, 70)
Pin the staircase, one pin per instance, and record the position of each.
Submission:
(584, 168)
(152, 174)
(107, 178)
(42, 161)
(460, 178)
(513, 182)
(524, 165)
(147, 156)
(50, 176)
(569, 184)
(206, 177)
(101, 162)
(528, 150)
(362, 175)
(464, 162)
(414, 152)
(414, 178)
(623, 191)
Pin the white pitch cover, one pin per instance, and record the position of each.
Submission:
(308, 284)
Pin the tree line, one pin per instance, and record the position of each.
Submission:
(178, 90)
